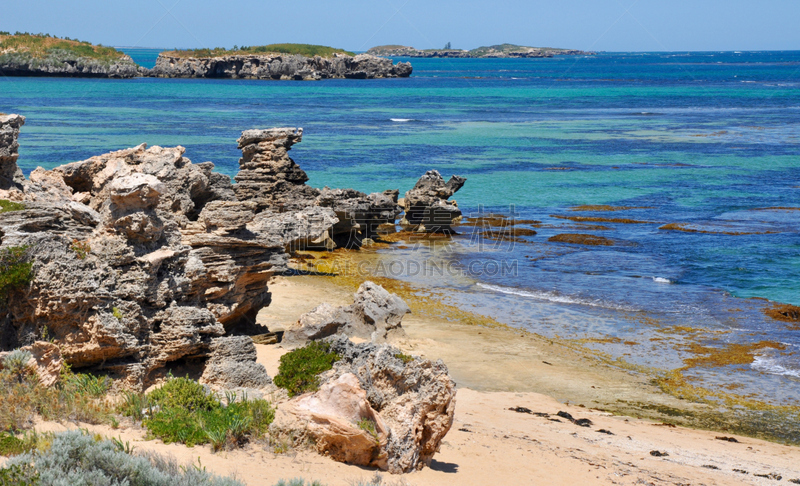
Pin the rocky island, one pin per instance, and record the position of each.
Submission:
(268, 62)
(45, 55)
(496, 51)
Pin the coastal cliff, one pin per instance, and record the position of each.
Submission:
(40, 55)
(496, 51)
(279, 67)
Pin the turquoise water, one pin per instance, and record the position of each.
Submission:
(704, 140)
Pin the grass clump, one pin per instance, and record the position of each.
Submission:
(307, 50)
(74, 397)
(7, 206)
(16, 271)
(299, 370)
(77, 458)
(405, 358)
(182, 411)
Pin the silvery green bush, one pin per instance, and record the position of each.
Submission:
(76, 459)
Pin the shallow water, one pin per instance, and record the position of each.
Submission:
(705, 141)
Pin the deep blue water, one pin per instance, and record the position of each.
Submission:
(704, 140)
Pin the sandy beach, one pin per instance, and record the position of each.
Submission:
(497, 370)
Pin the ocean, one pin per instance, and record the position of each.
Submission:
(701, 147)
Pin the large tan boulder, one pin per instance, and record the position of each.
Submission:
(330, 417)
(411, 401)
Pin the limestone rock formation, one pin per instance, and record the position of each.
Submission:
(279, 66)
(10, 175)
(427, 206)
(267, 175)
(411, 403)
(330, 417)
(375, 314)
(141, 258)
(232, 364)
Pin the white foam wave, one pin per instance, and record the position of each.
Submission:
(401, 120)
(662, 280)
(556, 298)
(769, 365)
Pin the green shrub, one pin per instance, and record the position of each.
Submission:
(183, 393)
(19, 475)
(76, 458)
(7, 206)
(16, 271)
(187, 415)
(299, 369)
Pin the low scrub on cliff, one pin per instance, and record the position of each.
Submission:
(307, 50)
(184, 411)
(44, 45)
(299, 369)
(77, 458)
(16, 271)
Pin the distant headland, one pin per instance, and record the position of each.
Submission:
(24, 54)
(496, 51)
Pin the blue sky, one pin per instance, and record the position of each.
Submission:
(607, 25)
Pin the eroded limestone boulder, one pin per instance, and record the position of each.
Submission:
(410, 402)
(232, 364)
(330, 418)
(375, 314)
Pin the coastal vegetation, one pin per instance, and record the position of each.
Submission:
(498, 50)
(300, 369)
(16, 271)
(307, 50)
(40, 46)
(77, 457)
(184, 411)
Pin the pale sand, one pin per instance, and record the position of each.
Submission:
(491, 445)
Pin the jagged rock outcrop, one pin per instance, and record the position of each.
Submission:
(267, 175)
(232, 364)
(427, 206)
(279, 66)
(11, 177)
(410, 401)
(273, 181)
(142, 258)
(375, 314)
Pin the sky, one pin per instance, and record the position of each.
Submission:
(357, 25)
